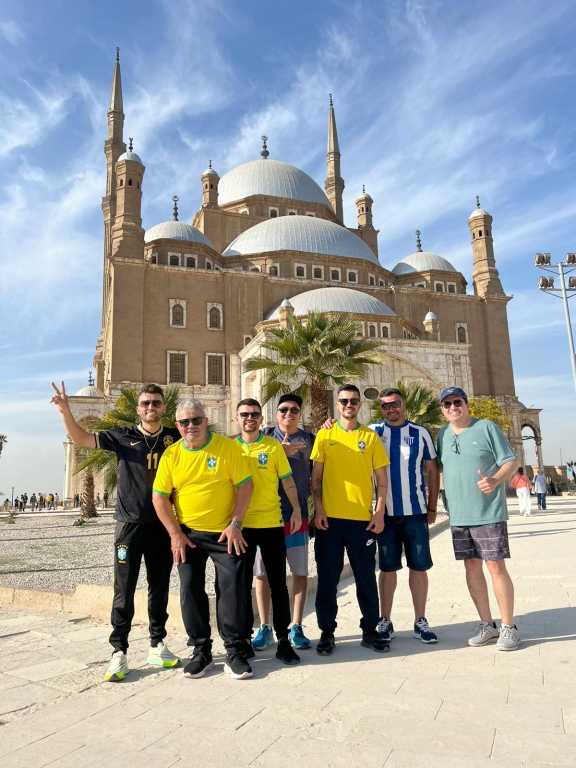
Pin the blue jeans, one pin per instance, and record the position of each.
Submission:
(409, 533)
(350, 536)
(541, 500)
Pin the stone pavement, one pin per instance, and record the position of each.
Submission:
(447, 705)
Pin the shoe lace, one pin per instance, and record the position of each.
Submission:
(297, 630)
(507, 633)
(384, 625)
(422, 625)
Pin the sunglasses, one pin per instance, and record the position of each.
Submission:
(393, 404)
(448, 403)
(196, 421)
(289, 410)
(245, 415)
(455, 444)
(351, 401)
(153, 403)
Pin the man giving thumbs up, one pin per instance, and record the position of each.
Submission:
(476, 460)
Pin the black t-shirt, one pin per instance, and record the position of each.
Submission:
(138, 458)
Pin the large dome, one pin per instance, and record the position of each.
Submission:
(269, 177)
(176, 230)
(335, 300)
(305, 234)
(422, 261)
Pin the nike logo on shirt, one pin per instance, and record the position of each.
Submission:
(136, 443)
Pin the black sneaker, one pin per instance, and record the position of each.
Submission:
(286, 653)
(371, 639)
(423, 631)
(385, 629)
(199, 663)
(249, 651)
(237, 666)
(326, 644)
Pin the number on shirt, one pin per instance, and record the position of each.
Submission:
(152, 460)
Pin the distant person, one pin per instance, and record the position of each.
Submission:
(76, 500)
(24, 501)
(56, 500)
(477, 460)
(33, 502)
(98, 501)
(139, 534)
(540, 489)
(522, 485)
(105, 500)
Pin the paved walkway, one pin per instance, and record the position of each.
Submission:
(435, 706)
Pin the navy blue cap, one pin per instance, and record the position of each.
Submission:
(453, 391)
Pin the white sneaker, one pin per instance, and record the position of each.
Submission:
(509, 639)
(161, 656)
(118, 667)
(485, 633)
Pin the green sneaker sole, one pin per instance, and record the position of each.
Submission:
(115, 678)
(162, 664)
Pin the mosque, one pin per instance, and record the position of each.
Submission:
(188, 304)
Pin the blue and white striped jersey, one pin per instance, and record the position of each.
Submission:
(408, 447)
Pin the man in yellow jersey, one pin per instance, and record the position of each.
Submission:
(345, 458)
(211, 486)
(263, 527)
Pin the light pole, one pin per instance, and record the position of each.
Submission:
(546, 284)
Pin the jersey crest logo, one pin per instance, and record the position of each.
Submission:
(361, 445)
(408, 440)
(168, 440)
(263, 459)
(212, 461)
(122, 552)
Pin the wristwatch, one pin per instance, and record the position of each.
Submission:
(236, 524)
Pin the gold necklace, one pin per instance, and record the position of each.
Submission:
(151, 449)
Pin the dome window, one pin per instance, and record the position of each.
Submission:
(318, 273)
(335, 275)
(372, 331)
(209, 264)
(273, 213)
(385, 332)
(153, 259)
(352, 276)
(274, 271)
(254, 269)
(451, 288)
(300, 270)
(191, 262)
(371, 280)
(174, 260)
(439, 288)
(381, 284)
(129, 182)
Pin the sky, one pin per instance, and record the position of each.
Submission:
(436, 102)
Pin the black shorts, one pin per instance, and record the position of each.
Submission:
(484, 542)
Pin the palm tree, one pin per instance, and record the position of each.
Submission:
(123, 414)
(311, 356)
(3, 439)
(422, 405)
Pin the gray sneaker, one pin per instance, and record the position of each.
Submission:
(485, 633)
(509, 639)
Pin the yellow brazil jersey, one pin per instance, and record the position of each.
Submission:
(204, 481)
(266, 461)
(349, 460)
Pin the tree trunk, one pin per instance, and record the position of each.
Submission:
(87, 504)
(318, 404)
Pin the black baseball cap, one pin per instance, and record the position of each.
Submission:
(290, 398)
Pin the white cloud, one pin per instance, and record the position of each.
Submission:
(11, 32)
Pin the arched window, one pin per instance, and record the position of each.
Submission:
(372, 331)
(174, 261)
(205, 186)
(334, 274)
(208, 264)
(177, 314)
(153, 260)
(129, 182)
(121, 182)
(299, 271)
(254, 269)
(462, 335)
(479, 233)
(381, 283)
(211, 186)
(214, 317)
(352, 277)
(371, 280)
(273, 213)
(385, 332)
(273, 271)
(318, 273)
(451, 289)
(439, 288)
(190, 262)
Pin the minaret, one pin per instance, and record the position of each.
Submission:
(127, 232)
(366, 229)
(334, 184)
(114, 146)
(485, 275)
(210, 181)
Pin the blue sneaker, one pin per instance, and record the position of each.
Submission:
(297, 638)
(423, 631)
(264, 638)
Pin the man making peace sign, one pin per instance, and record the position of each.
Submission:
(477, 460)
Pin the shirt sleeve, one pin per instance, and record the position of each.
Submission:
(282, 463)
(109, 440)
(379, 456)
(163, 481)
(439, 445)
(503, 452)
(429, 450)
(318, 454)
(239, 471)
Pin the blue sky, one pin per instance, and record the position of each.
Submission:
(436, 102)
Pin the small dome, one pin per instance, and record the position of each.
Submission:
(130, 156)
(335, 300)
(522, 406)
(176, 230)
(88, 391)
(269, 177)
(422, 261)
(210, 171)
(305, 234)
(477, 212)
(286, 303)
(430, 316)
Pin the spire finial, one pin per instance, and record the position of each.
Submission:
(175, 209)
(264, 152)
(363, 189)
(117, 55)
(477, 201)
(90, 379)
(418, 243)
(210, 164)
(330, 96)
(129, 143)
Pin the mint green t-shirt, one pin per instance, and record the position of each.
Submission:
(481, 446)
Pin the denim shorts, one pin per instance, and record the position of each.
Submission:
(409, 532)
